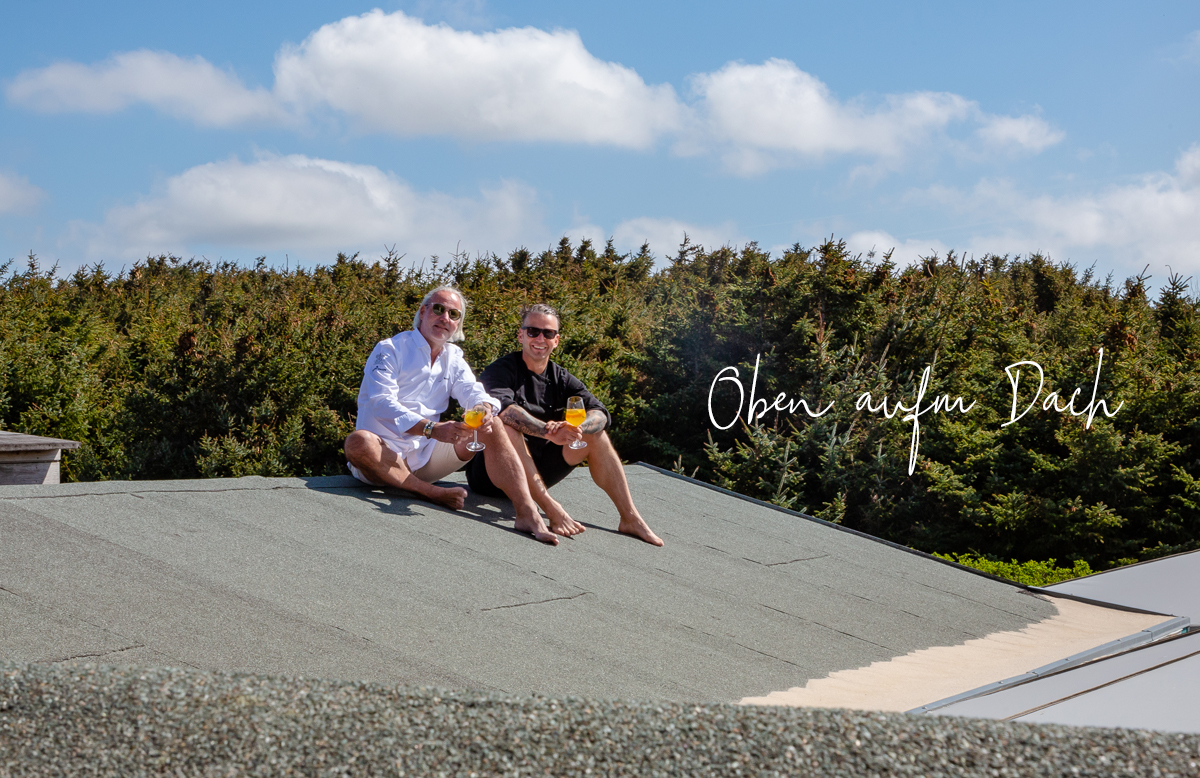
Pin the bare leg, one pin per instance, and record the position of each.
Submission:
(505, 471)
(370, 454)
(556, 515)
(609, 475)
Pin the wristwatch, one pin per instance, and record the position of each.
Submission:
(428, 431)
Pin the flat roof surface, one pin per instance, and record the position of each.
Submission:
(325, 577)
(1150, 687)
(1167, 585)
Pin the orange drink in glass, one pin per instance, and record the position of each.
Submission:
(474, 419)
(574, 416)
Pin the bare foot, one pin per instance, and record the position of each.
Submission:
(637, 527)
(564, 525)
(453, 497)
(537, 528)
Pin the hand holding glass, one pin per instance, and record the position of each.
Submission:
(574, 416)
(474, 419)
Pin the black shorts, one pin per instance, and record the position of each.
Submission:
(547, 457)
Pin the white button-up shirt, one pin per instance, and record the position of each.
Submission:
(401, 388)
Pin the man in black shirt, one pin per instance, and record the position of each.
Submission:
(533, 393)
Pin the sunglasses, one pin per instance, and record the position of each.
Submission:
(441, 310)
(533, 332)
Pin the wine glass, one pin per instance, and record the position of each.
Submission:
(474, 419)
(574, 416)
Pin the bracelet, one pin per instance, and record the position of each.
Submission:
(428, 431)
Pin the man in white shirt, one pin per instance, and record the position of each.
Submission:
(400, 439)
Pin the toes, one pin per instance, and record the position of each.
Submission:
(641, 532)
(538, 531)
(567, 527)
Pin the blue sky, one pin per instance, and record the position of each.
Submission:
(304, 129)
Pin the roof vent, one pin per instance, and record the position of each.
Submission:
(29, 459)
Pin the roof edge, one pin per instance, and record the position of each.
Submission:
(75, 489)
(1143, 639)
(1088, 600)
(1135, 564)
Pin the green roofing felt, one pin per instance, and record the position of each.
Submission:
(325, 577)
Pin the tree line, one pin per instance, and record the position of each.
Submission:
(185, 368)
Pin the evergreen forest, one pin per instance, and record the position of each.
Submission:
(181, 368)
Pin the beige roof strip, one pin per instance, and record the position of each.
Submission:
(931, 674)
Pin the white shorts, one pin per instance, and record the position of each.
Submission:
(442, 463)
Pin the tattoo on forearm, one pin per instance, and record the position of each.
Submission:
(593, 423)
(520, 419)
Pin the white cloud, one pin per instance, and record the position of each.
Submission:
(904, 252)
(773, 114)
(1188, 166)
(776, 107)
(310, 207)
(1154, 220)
(395, 74)
(587, 231)
(17, 195)
(665, 235)
(1192, 47)
(185, 88)
(314, 207)
(389, 73)
(1025, 133)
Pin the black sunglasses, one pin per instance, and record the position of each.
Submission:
(439, 309)
(533, 332)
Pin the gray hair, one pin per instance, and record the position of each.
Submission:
(458, 333)
(539, 308)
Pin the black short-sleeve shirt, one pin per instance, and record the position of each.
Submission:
(510, 381)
